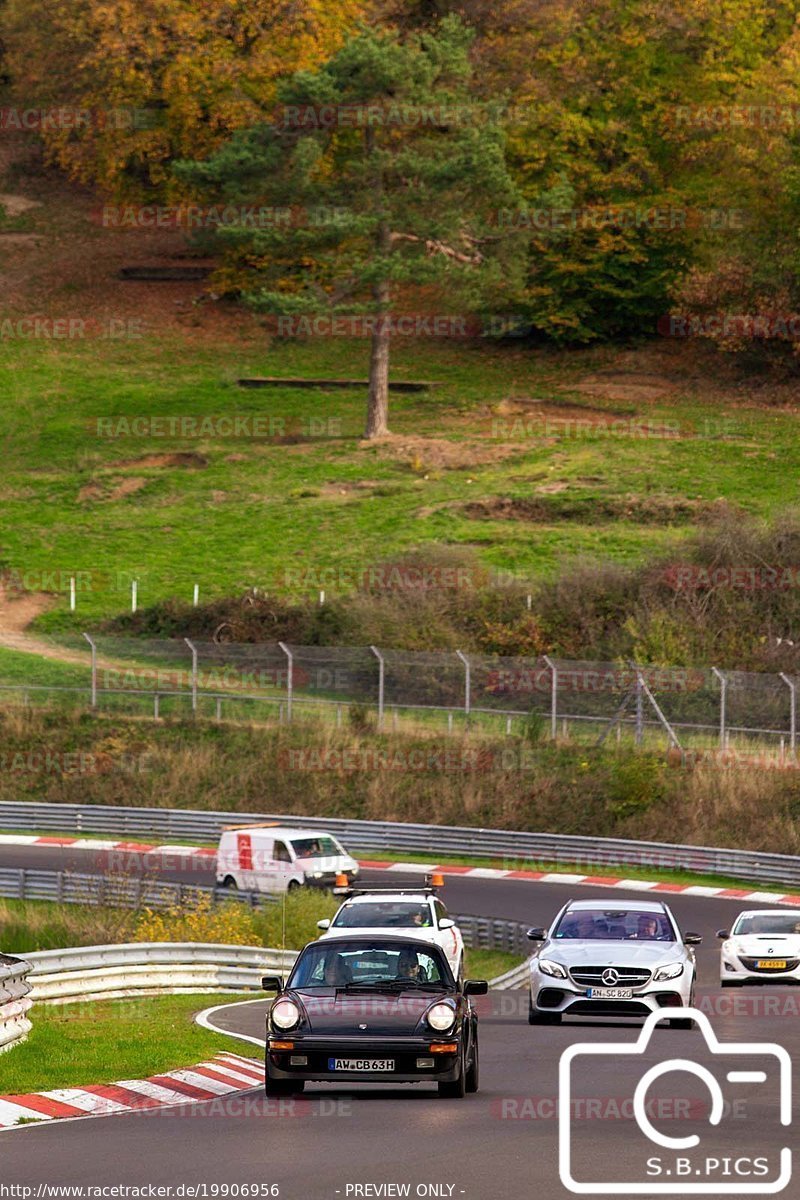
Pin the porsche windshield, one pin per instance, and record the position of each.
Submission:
(344, 964)
(614, 925)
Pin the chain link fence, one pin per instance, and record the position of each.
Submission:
(375, 688)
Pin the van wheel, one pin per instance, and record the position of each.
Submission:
(230, 883)
(293, 885)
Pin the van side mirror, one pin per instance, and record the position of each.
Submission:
(692, 939)
(324, 923)
(537, 934)
(446, 923)
(723, 934)
(271, 983)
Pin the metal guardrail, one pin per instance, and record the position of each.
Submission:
(150, 968)
(15, 1001)
(111, 891)
(516, 849)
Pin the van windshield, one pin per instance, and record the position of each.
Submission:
(316, 847)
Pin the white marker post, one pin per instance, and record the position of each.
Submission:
(134, 594)
(72, 593)
(196, 595)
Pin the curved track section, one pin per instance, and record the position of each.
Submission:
(377, 1141)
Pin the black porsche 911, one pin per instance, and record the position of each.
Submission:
(369, 1008)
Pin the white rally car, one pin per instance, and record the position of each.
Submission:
(763, 946)
(420, 912)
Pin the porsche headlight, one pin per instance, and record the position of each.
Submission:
(285, 1014)
(552, 968)
(440, 1017)
(670, 971)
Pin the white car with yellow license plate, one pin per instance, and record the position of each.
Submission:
(611, 960)
(419, 912)
(762, 946)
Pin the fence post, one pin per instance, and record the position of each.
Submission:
(289, 679)
(792, 710)
(465, 661)
(639, 710)
(723, 692)
(379, 657)
(94, 669)
(193, 649)
(553, 696)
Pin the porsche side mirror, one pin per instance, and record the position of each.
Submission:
(537, 934)
(446, 923)
(324, 923)
(723, 934)
(271, 983)
(475, 987)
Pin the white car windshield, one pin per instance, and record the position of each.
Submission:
(614, 925)
(767, 923)
(387, 914)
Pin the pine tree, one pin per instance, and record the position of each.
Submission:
(393, 175)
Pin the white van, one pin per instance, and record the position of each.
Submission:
(273, 858)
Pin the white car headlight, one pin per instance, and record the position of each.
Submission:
(552, 968)
(285, 1014)
(670, 971)
(440, 1017)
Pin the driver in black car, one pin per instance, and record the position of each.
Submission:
(408, 966)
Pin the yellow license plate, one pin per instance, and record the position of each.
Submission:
(771, 964)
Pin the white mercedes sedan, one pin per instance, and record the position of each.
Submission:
(612, 960)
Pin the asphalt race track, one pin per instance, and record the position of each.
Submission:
(333, 1143)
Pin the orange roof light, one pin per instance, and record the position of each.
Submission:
(437, 879)
(342, 880)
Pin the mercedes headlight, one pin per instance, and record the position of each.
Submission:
(440, 1017)
(671, 971)
(552, 968)
(285, 1014)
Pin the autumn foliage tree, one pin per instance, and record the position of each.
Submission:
(159, 79)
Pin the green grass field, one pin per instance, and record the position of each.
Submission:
(75, 502)
(100, 1041)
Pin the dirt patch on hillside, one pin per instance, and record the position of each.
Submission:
(185, 458)
(93, 491)
(19, 609)
(591, 510)
(423, 453)
(14, 205)
(633, 387)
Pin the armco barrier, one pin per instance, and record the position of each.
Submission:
(514, 847)
(15, 1001)
(113, 891)
(150, 968)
